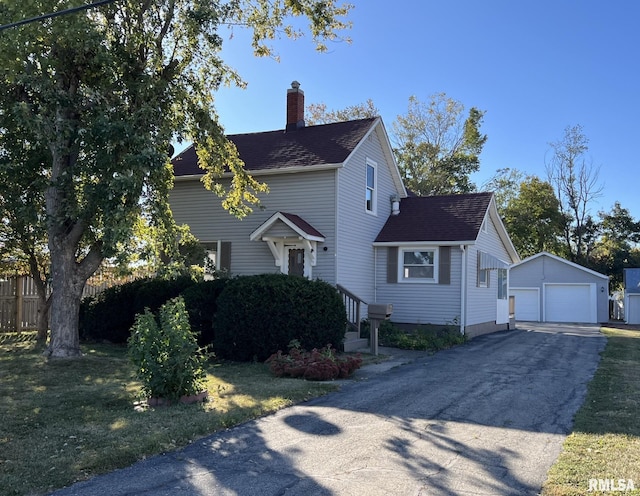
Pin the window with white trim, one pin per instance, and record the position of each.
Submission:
(502, 284)
(370, 191)
(483, 273)
(418, 265)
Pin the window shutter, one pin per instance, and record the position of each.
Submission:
(444, 265)
(225, 256)
(392, 264)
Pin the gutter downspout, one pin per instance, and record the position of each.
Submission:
(375, 273)
(463, 290)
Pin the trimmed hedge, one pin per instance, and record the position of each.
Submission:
(259, 315)
(201, 302)
(109, 315)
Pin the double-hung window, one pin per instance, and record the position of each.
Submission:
(418, 265)
(370, 191)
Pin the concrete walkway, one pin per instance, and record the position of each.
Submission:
(485, 418)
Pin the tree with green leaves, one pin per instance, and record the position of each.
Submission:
(437, 147)
(617, 246)
(576, 186)
(23, 241)
(533, 218)
(317, 113)
(100, 94)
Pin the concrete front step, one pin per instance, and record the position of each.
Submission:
(354, 344)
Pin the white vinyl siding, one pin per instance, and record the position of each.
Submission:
(481, 301)
(311, 195)
(356, 227)
(421, 303)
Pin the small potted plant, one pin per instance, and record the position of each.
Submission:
(167, 357)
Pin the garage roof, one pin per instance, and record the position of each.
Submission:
(562, 260)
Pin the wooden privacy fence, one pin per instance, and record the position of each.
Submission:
(19, 304)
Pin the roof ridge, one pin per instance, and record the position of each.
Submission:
(313, 126)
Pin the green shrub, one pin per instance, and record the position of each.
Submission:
(259, 315)
(315, 365)
(201, 302)
(109, 315)
(165, 353)
(422, 338)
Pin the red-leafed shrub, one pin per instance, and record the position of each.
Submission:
(315, 365)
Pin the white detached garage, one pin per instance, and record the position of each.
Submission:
(549, 288)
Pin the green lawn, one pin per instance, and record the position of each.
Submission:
(63, 421)
(604, 447)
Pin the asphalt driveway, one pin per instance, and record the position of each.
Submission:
(486, 418)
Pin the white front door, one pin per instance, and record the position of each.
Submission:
(502, 312)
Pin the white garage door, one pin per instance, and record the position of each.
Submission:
(570, 303)
(633, 310)
(527, 303)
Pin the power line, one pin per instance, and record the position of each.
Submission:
(55, 14)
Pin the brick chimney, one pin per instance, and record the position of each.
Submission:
(295, 107)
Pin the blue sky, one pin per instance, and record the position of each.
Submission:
(534, 67)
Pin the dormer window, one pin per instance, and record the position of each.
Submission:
(370, 191)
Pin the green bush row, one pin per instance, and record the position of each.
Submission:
(428, 338)
(109, 315)
(245, 318)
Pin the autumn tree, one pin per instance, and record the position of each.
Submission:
(533, 218)
(317, 113)
(576, 184)
(504, 185)
(101, 93)
(437, 147)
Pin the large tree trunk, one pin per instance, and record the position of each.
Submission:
(65, 229)
(65, 304)
(68, 278)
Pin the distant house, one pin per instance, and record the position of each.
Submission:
(337, 210)
(548, 288)
(632, 296)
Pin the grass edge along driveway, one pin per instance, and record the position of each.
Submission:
(67, 420)
(602, 453)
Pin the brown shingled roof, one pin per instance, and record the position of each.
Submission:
(436, 218)
(303, 224)
(308, 146)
